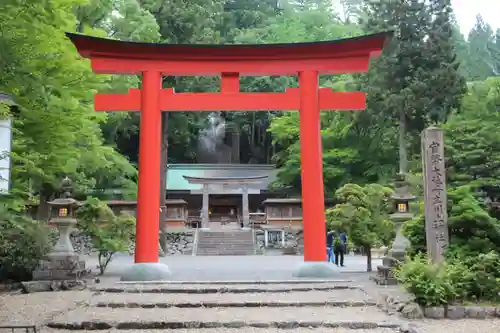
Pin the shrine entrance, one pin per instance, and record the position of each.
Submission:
(229, 185)
(230, 62)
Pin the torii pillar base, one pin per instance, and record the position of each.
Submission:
(316, 270)
(146, 271)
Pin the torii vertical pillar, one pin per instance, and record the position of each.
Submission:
(147, 266)
(313, 197)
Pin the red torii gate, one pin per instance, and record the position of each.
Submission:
(307, 60)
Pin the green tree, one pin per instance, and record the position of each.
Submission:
(481, 41)
(109, 234)
(363, 214)
(472, 138)
(446, 85)
(56, 131)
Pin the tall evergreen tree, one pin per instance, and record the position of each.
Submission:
(400, 72)
(446, 85)
(480, 42)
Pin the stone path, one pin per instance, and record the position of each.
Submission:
(219, 268)
(208, 302)
(202, 306)
(333, 307)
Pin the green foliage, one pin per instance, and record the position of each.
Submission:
(472, 138)
(23, 243)
(56, 131)
(425, 281)
(483, 47)
(109, 234)
(363, 214)
(457, 280)
(470, 272)
(472, 230)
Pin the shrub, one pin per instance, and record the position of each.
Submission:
(426, 281)
(472, 230)
(23, 243)
(475, 279)
(109, 234)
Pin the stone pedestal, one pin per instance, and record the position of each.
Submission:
(397, 253)
(62, 262)
(54, 267)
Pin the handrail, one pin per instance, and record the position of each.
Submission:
(252, 224)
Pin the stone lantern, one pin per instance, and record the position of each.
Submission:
(62, 215)
(62, 262)
(396, 254)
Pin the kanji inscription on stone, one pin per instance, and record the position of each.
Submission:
(436, 216)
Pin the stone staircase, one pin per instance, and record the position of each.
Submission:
(225, 243)
(230, 307)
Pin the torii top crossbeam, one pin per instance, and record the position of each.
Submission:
(350, 55)
(307, 60)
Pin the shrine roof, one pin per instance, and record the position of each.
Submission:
(89, 47)
(225, 180)
(257, 176)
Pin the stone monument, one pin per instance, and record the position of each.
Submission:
(436, 215)
(62, 263)
(396, 254)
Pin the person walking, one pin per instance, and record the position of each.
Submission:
(329, 247)
(339, 248)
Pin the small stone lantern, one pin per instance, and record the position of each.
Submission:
(402, 199)
(396, 254)
(62, 215)
(62, 262)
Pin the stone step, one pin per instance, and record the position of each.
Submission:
(222, 235)
(223, 250)
(223, 288)
(340, 298)
(243, 282)
(220, 243)
(231, 253)
(233, 243)
(225, 241)
(87, 318)
(253, 330)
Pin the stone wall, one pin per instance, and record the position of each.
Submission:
(178, 243)
(293, 238)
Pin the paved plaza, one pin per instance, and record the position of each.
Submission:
(232, 268)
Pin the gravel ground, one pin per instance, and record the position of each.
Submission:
(458, 326)
(35, 309)
(239, 330)
(332, 314)
(354, 295)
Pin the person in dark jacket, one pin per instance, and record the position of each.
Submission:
(339, 247)
(329, 247)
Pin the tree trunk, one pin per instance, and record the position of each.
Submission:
(403, 153)
(252, 134)
(46, 194)
(163, 182)
(368, 259)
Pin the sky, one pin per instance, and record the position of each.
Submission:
(466, 11)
